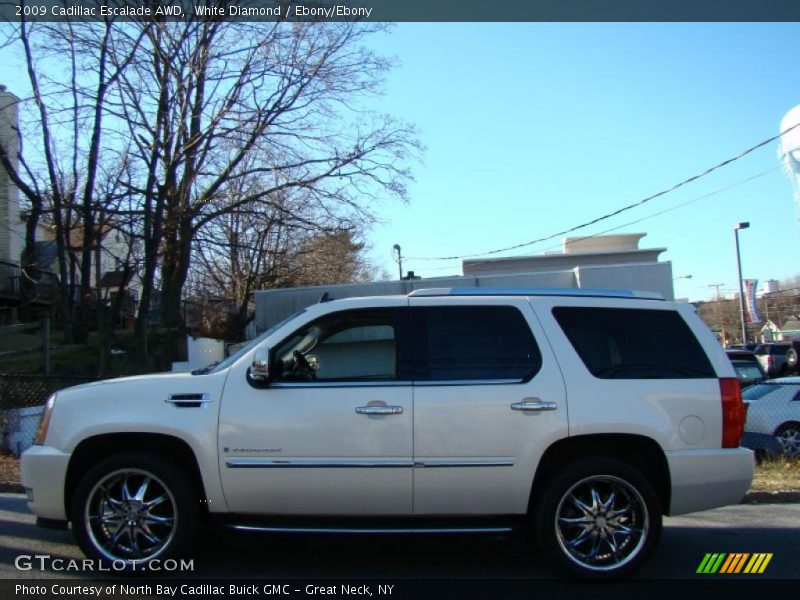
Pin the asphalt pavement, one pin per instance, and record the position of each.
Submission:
(224, 554)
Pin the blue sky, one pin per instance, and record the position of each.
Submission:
(533, 128)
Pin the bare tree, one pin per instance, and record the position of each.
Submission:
(58, 177)
(264, 245)
(210, 103)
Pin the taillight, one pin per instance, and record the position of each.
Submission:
(733, 412)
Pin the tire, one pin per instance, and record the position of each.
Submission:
(132, 508)
(585, 531)
(788, 436)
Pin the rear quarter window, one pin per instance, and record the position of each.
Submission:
(622, 343)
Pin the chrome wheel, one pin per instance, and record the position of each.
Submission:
(602, 523)
(789, 439)
(130, 515)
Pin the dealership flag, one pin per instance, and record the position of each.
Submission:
(750, 286)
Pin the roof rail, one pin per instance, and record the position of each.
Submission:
(575, 292)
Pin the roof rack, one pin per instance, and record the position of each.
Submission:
(575, 292)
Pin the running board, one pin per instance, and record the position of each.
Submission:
(372, 530)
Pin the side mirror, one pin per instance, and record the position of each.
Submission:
(259, 368)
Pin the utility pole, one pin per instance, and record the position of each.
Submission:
(736, 229)
(717, 285)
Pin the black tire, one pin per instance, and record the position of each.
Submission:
(157, 520)
(576, 539)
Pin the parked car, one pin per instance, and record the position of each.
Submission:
(763, 445)
(748, 369)
(773, 358)
(582, 416)
(774, 409)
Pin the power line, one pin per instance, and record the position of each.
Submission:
(671, 208)
(674, 187)
(652, 215)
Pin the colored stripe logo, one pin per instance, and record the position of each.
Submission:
(734, 563)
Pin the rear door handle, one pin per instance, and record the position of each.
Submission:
(379, 410)
(534, 405)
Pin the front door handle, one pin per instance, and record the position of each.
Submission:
(534, 405)
(379, 410)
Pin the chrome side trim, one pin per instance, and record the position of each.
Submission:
(422, 383)
(348, 530)
(440, 464)
(244, 463)
(339, 384)
(234, 463)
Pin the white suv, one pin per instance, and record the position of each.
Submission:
(582, 415)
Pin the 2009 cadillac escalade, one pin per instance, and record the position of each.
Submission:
(581, 416)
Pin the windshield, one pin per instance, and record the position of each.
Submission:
(217, 367)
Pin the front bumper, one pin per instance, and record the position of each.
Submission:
(704, 479)
(44, 471)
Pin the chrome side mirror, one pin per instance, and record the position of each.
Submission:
(259, 368)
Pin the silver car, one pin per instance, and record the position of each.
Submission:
(774, 408)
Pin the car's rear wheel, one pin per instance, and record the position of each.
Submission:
(133, 508)
(788, 436)
(598, 518)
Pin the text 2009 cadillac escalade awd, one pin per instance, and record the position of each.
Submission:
(579, 416)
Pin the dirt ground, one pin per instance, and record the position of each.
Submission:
(9, 469)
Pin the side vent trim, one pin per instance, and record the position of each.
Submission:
(188, 400)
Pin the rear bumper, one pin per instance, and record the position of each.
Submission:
(43, 471)
(704, 479)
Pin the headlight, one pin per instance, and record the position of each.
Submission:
(48, 410)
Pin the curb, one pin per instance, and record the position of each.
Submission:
(781, 497)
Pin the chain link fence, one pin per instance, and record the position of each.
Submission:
(22, 399)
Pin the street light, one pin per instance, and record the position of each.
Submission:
(682, 277)
(743, 225)
(399, 259)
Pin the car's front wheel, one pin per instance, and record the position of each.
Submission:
(132, 508)
(598, 518)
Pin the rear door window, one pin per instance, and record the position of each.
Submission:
(472, 343)
(622, 343)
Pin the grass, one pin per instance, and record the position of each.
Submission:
(777, 475)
